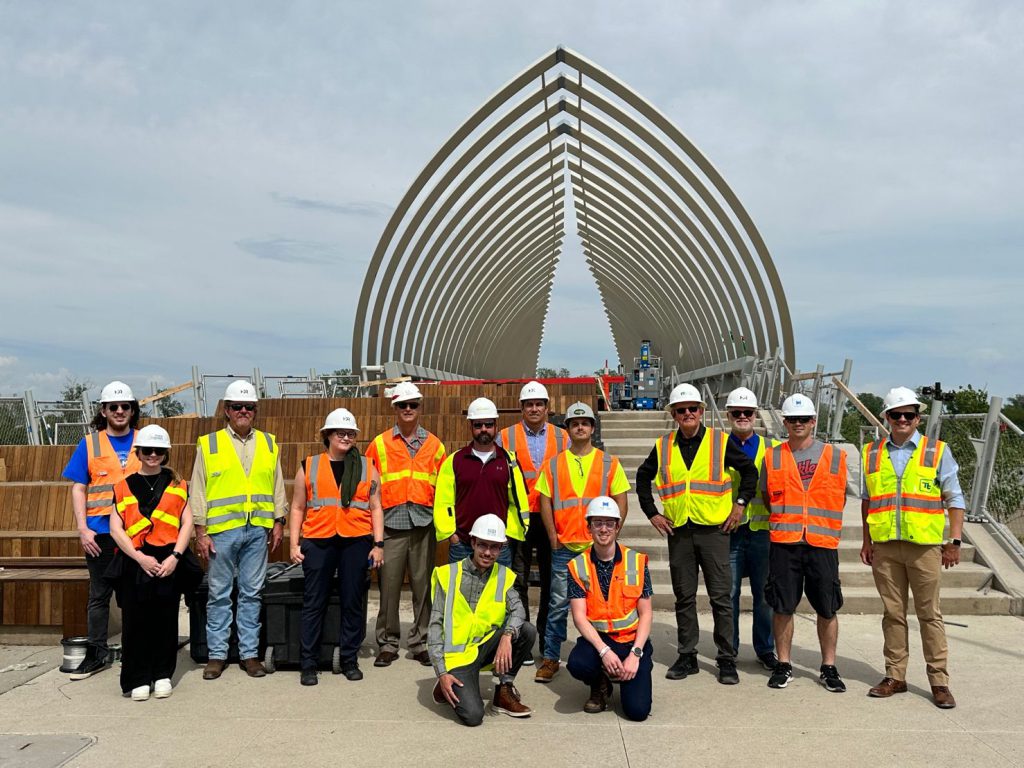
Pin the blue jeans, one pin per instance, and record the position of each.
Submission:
(459, 551)
(635, 695)
(241, 552)
(748, 556)
(558, 608)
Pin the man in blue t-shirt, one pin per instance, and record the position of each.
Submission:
(99, 462)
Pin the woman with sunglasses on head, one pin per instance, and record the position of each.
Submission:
(151, 528)
(336, 506)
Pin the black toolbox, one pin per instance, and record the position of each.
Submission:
(282, 624)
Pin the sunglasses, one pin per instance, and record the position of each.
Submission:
(603, 523)
(114, 407)
(344, 434)
(153, 451)
(903, 415)
(744, 414)
(483, 425)
(798, 419)
(407, 406)
(686, 409)
(236, 407)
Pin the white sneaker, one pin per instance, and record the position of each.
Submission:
(162, 688)
(141, 693)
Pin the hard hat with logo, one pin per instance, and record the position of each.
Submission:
(241, 391)
(481, 408)
(489, 528)
(898, 396)
(603, 506)
(741, 397)
(533, 390)
(340, 418)
(580, 411)
(116, 392)
(404, 392)
(153, 436)
(685, 393)
(798, 405)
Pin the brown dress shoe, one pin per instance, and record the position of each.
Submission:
(384, 659)
(422, 657)
(214, 668)
(887, 688)
(253, 667)
(506, 699)
(547, 670)
(600, 692)
(942, 697)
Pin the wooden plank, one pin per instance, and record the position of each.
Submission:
(170, 392)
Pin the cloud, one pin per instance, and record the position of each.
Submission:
(288, 251)
(7, 360)
(370, 208)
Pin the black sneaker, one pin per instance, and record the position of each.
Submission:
(768, 660)
(308, 677)
(90, 666)
(685, 665)
(351, 671)
(831, 680)
(781, 676)
(727, 672)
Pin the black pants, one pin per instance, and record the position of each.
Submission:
(704, 547)
(346, 557)
(470, 709)
(149, 627)
(522, 562)
(585, 665)
(100, 591)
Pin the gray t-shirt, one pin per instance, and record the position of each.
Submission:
(806, 461)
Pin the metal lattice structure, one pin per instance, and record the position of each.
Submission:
(460, 281)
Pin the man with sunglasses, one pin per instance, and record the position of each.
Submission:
(239, 509)
(479, 479)
(99, 463)
(689, 467)
(908, 480)
(408, 458)
(803, 484)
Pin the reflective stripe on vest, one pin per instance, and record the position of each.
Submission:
(909, 508)
(555, 442)
(325, 517)
(617, 614)
(570, 510)
(701, 492)
(231, 497)
(105, 472)
(814, 513)
(405, 478)
(163, 524)
(755, 515)
(467, 629)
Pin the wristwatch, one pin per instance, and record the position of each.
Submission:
(955, 542)
(637, 651)
(379, 544)
(741, 502)
(279, 521)
(176, 553)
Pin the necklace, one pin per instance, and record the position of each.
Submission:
(152, 486)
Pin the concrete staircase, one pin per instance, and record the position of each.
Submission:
(630, 435)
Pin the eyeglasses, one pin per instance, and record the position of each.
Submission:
(482, 425)
(744, 414)
(603, 523)
(903, 415)
(236, 407)
(490, 546)
(147, 451)
(407, 406)
(344, 434)
(686, 409)
(114, 407)
(797, 419)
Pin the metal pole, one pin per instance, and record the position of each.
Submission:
(934, 425)
(988, 445)
(197, 392)
(840, 402)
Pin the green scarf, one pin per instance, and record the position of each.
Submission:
(351, 474)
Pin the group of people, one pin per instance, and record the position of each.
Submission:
(733, 505)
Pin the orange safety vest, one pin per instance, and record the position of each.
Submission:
(105, 472)
(570, 510)
(325, 517)
(815, 514)
(616, 616)
(513, 438)
(405, 478)
(162, 526)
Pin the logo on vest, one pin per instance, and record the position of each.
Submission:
(926, 485)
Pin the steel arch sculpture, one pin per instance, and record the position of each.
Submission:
(460, 281)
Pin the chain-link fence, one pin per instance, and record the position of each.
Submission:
(15, 427)
(60, 421)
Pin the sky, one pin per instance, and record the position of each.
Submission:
(198, 183)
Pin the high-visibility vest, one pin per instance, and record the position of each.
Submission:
(907, 509)
(465, 630)
(232, 497)
(105, 472)
(755, 514)
(514, 439)
(162, 526)
(570, 510)
(815, 514)
(616, 616)
(701, 492)
(405, 478)
(325, 517)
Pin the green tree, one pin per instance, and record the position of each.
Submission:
(169, 406)
(853, 419)
(339, 383)
(1014, 410)
(73, 389)
(547, 373)
(563, 373)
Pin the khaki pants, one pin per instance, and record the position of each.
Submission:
(414, 548)
(898, 565)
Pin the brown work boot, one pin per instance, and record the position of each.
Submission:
(506, 699)
(942, 697)
(384, 659)
(422, 657)
(253, 667)
(887, 688)
(214, 669)
(547, 670)
(600, 692)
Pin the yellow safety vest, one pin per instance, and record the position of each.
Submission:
(702, 493)
(465, 630)
(909, 509)
(232, 497)
(756, 514)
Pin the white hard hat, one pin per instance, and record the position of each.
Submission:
(340, 418)
(603, 506)
(741, 397)
(153, 436)
(489, 528)
(241, 391)
(798, 405)
(405, 391)
(116, 392)
(685, 393)
(481, 408)
(580, 411)
(533, 390)
(898, 396)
